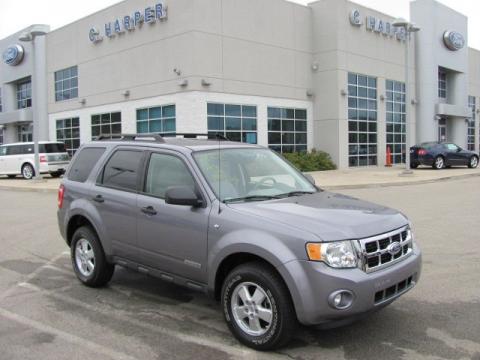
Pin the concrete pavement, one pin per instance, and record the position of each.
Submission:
(333, 179)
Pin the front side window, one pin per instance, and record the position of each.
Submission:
(68, 132)
(287, 129)
(122, 169)
(83, 163)
(107, 125)
(395, 120)
(442, 84)
(24, 94)
(25, 133)
(362, 120)
(157, 119)
(250, 174)
(165, 171)
(1, 136)
(235, 122)
(471, 124)
(66, 84)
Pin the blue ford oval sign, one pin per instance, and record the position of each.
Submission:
(13, 55)
(453, 40)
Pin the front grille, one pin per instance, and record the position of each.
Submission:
(394, 290)
(378, 251)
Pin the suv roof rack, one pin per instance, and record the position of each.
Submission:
(160, 137)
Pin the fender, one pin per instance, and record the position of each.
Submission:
(86, 209)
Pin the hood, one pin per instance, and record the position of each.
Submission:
(328, 215)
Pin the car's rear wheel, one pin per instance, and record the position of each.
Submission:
(257, 307)
(27, 171)
(473, 163)
(56, 174)
(438, 163)
(414, 165)
(88, 258)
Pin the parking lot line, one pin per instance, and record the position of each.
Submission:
(65, 335)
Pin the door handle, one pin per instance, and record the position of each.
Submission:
(99, 199)
(149, 210)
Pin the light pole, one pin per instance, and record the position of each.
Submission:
(29, 36)
(408, 28)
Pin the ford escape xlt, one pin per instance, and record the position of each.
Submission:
(238, 222)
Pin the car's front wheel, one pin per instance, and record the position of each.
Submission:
(257, 307)
(473, 163)
(28, 172)
(438, 163)
(88, 258)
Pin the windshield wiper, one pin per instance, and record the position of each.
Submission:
(253, 198)
(297, 193)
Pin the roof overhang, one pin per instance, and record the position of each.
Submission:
(453, 110)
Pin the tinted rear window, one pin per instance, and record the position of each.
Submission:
(121, 170)
(83, 163)
(52, 148)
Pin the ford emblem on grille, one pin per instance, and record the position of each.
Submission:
(394, 248)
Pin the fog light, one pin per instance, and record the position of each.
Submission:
(341, 299)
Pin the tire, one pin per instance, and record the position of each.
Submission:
(91, 266)
(272, 300)
(473, 162)
(12, 176)
(414, 165)
(438, 163)
(28, 172)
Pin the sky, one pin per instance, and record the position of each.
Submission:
(18, 14)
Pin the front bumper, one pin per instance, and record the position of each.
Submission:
(311, 283)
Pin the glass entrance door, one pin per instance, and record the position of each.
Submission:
(442, 129)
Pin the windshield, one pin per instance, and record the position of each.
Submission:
(250, 174)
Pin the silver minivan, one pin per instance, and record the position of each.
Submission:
(18, 159)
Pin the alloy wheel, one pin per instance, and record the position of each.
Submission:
(84, 257)
(251, 308)
(439, 163)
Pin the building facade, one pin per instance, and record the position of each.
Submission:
(329, 75)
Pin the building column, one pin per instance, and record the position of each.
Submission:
(381, 122)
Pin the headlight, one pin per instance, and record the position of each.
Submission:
(338, 254)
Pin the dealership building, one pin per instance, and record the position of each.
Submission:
(329, 75)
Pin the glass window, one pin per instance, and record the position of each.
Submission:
(1, 136)
(395, 133)
(121, 170)
(25, 133)
(165, 171)
(1, 107)
(68, 132)
(66, 84)
(235, 122)
(24, 94)
(442, 84)
(107, 125)
(158, 119)
(362, 119)
(287, 129)
(83, 163)
(471, 124)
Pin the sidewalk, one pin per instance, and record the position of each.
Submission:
(333, 179)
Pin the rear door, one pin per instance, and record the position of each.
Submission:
(172, 238)
(115, 197)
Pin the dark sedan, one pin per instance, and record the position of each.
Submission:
(441, 154)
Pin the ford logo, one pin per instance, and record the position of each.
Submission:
(13, 55)
(453, 40)
(394, 248)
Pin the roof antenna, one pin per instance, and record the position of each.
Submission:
(219, 175)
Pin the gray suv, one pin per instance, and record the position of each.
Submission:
(238, 222)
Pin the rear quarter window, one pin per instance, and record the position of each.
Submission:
(83, 163)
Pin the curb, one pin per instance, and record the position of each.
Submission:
(334, 187)
(400, 183)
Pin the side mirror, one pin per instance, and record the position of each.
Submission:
(182, 195)
(310, 178)
(459, 149)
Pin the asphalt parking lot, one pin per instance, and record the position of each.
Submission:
(46, 314)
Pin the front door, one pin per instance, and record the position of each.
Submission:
(171, 238)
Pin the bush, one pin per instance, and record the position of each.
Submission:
(310, 161)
